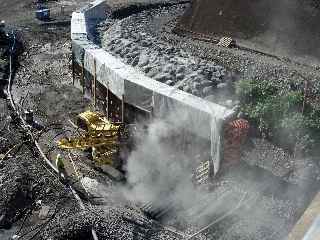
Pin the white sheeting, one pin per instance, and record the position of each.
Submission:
(78, 26)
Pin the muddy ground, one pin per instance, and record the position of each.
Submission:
(35, 204)
(32, 197)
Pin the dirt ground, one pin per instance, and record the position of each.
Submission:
(34, 203)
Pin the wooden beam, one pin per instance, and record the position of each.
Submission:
(122, 109)
(73, 70)
(82, 78)
(107, 110)
(94, 83)
(152, 108)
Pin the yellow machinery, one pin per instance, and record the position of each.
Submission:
(100, 135)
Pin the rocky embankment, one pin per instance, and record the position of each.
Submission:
(133, 40)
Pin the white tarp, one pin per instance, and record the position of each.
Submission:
(204, 118)
(78, 26)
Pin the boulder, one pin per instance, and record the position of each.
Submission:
(161, 77)
(44, 212)
(195, 92)
(180, 76)
(187, 89)
(208, 90)
(181, 69)
(135, 61)
(170, 82)
(143, 61)
(153, 71)
(146, 69)
(222, 86)
(196, 85)
(207, 83)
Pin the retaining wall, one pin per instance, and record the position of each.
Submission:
(203, 118)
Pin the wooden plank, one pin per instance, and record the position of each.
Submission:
(122, 109)
(94, 83)
(107, 109)
(73, 70)
(306, 220)
(82, 78)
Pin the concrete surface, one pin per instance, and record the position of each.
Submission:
(305, 222)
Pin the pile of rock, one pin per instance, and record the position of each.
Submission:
(132, 39)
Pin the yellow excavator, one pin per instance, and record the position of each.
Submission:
(99, 135)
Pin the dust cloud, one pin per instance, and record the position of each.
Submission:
(160, 169)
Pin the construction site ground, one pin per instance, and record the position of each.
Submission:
(268, 192)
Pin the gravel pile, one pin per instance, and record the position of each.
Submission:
(274, 159)
(280, 71)
(146, 42)
(133, 40)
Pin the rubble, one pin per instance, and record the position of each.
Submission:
(135, 41)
